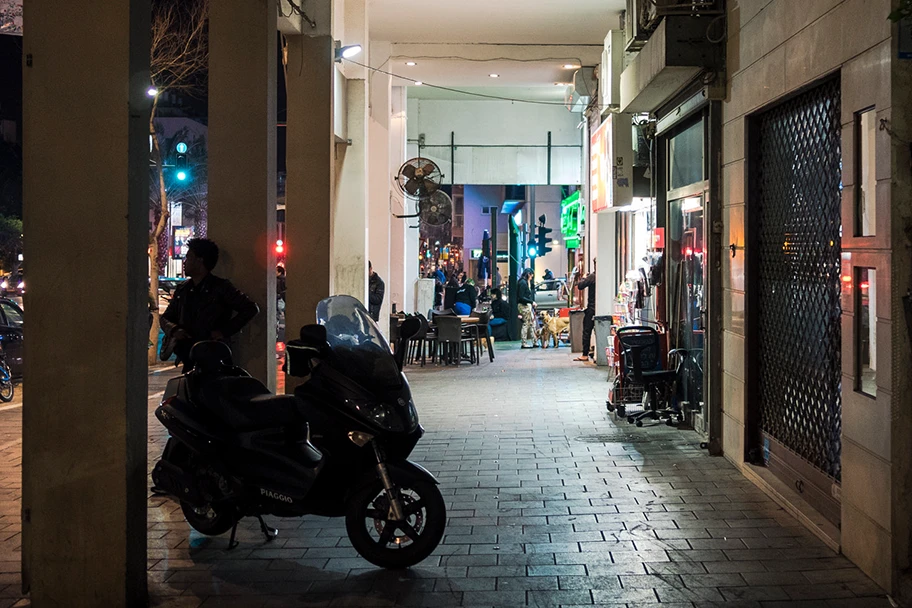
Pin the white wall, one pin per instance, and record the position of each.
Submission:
(498, 123)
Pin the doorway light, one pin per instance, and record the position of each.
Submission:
(347, 52)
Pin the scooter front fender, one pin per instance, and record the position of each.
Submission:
(410, 471)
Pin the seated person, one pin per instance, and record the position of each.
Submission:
(466, 298)
(500, 311)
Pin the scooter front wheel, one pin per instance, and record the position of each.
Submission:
(389, 543)
(208, 520)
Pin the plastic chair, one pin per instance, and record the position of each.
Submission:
(451, 338)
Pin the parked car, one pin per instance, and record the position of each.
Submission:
(11, 318)
(551, 294)
(12, 285)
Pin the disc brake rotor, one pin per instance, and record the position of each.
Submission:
(416, 520)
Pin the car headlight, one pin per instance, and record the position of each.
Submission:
(22, 285)
(377, 413)
(4, 285)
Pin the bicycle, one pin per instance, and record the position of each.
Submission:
(7, 390)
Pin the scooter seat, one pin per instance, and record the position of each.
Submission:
(245, 403)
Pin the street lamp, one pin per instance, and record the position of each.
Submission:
(152, 92)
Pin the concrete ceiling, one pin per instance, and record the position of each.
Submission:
(539, 22)
(459, 43)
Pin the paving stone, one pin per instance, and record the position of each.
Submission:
(536, 517)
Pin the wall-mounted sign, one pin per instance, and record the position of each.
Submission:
(610, 166)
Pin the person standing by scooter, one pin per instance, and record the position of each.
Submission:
(205, 307)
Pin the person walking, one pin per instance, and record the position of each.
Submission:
(376, 289)
(526, 303)
(205, 307)
(588, 284)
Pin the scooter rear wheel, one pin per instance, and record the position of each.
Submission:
(396, 544)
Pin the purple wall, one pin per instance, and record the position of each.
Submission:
(476, 198)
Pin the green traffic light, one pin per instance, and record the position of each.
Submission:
(182, 175)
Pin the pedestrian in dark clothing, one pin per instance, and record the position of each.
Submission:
(375, 289)
(280, 282)
(589, 317)
(205, 307)
(526, 301)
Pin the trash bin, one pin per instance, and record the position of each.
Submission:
(576, 330)
(602, 336)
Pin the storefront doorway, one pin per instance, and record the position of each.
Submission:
(687, 300)
(687, 191)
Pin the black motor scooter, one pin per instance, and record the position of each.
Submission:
(338, 447)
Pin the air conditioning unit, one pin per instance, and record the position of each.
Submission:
(610, 71)
(664, 8)
(640, 20)
(583, 89)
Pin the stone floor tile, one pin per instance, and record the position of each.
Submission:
(540, 514)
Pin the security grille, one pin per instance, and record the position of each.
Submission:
(798, 247)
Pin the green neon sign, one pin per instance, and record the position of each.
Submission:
(572, 213)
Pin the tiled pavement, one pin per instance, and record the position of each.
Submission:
(550, 504)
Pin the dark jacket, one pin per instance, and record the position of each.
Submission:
(375, 290)
(467, 294)
(524, 293)
(201, 309)
(500, 309)
(588, 283)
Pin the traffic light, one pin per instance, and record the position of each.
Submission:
(532, 249)
(280, 247)
(180, 163)
(543, 239)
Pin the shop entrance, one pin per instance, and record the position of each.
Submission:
(687, 303)
(794, 332)
(687, 191)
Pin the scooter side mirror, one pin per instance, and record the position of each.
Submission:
(409, 328)
(298, 353)
(314, 335)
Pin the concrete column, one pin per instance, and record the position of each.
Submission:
(242, 167)
(349, 212)
(399, 291)
(380, 180)
(310, 171)
(86, 168)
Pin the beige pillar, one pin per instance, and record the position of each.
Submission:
(399, 228)
(349, 213)
(242, 167)
(310, 169)
(86, 167)
(379, 176)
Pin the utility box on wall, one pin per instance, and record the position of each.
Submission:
(611, 163)
(610, 71)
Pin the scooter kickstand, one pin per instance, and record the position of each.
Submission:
(269, 533)
(232, 542)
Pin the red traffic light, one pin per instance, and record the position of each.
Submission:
(280, 246)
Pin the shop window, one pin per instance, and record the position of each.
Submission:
(865, 172)
(866, 331)
(685, 153)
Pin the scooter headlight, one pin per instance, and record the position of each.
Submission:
(378, 413)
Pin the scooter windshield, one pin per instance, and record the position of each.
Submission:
(360, 350)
